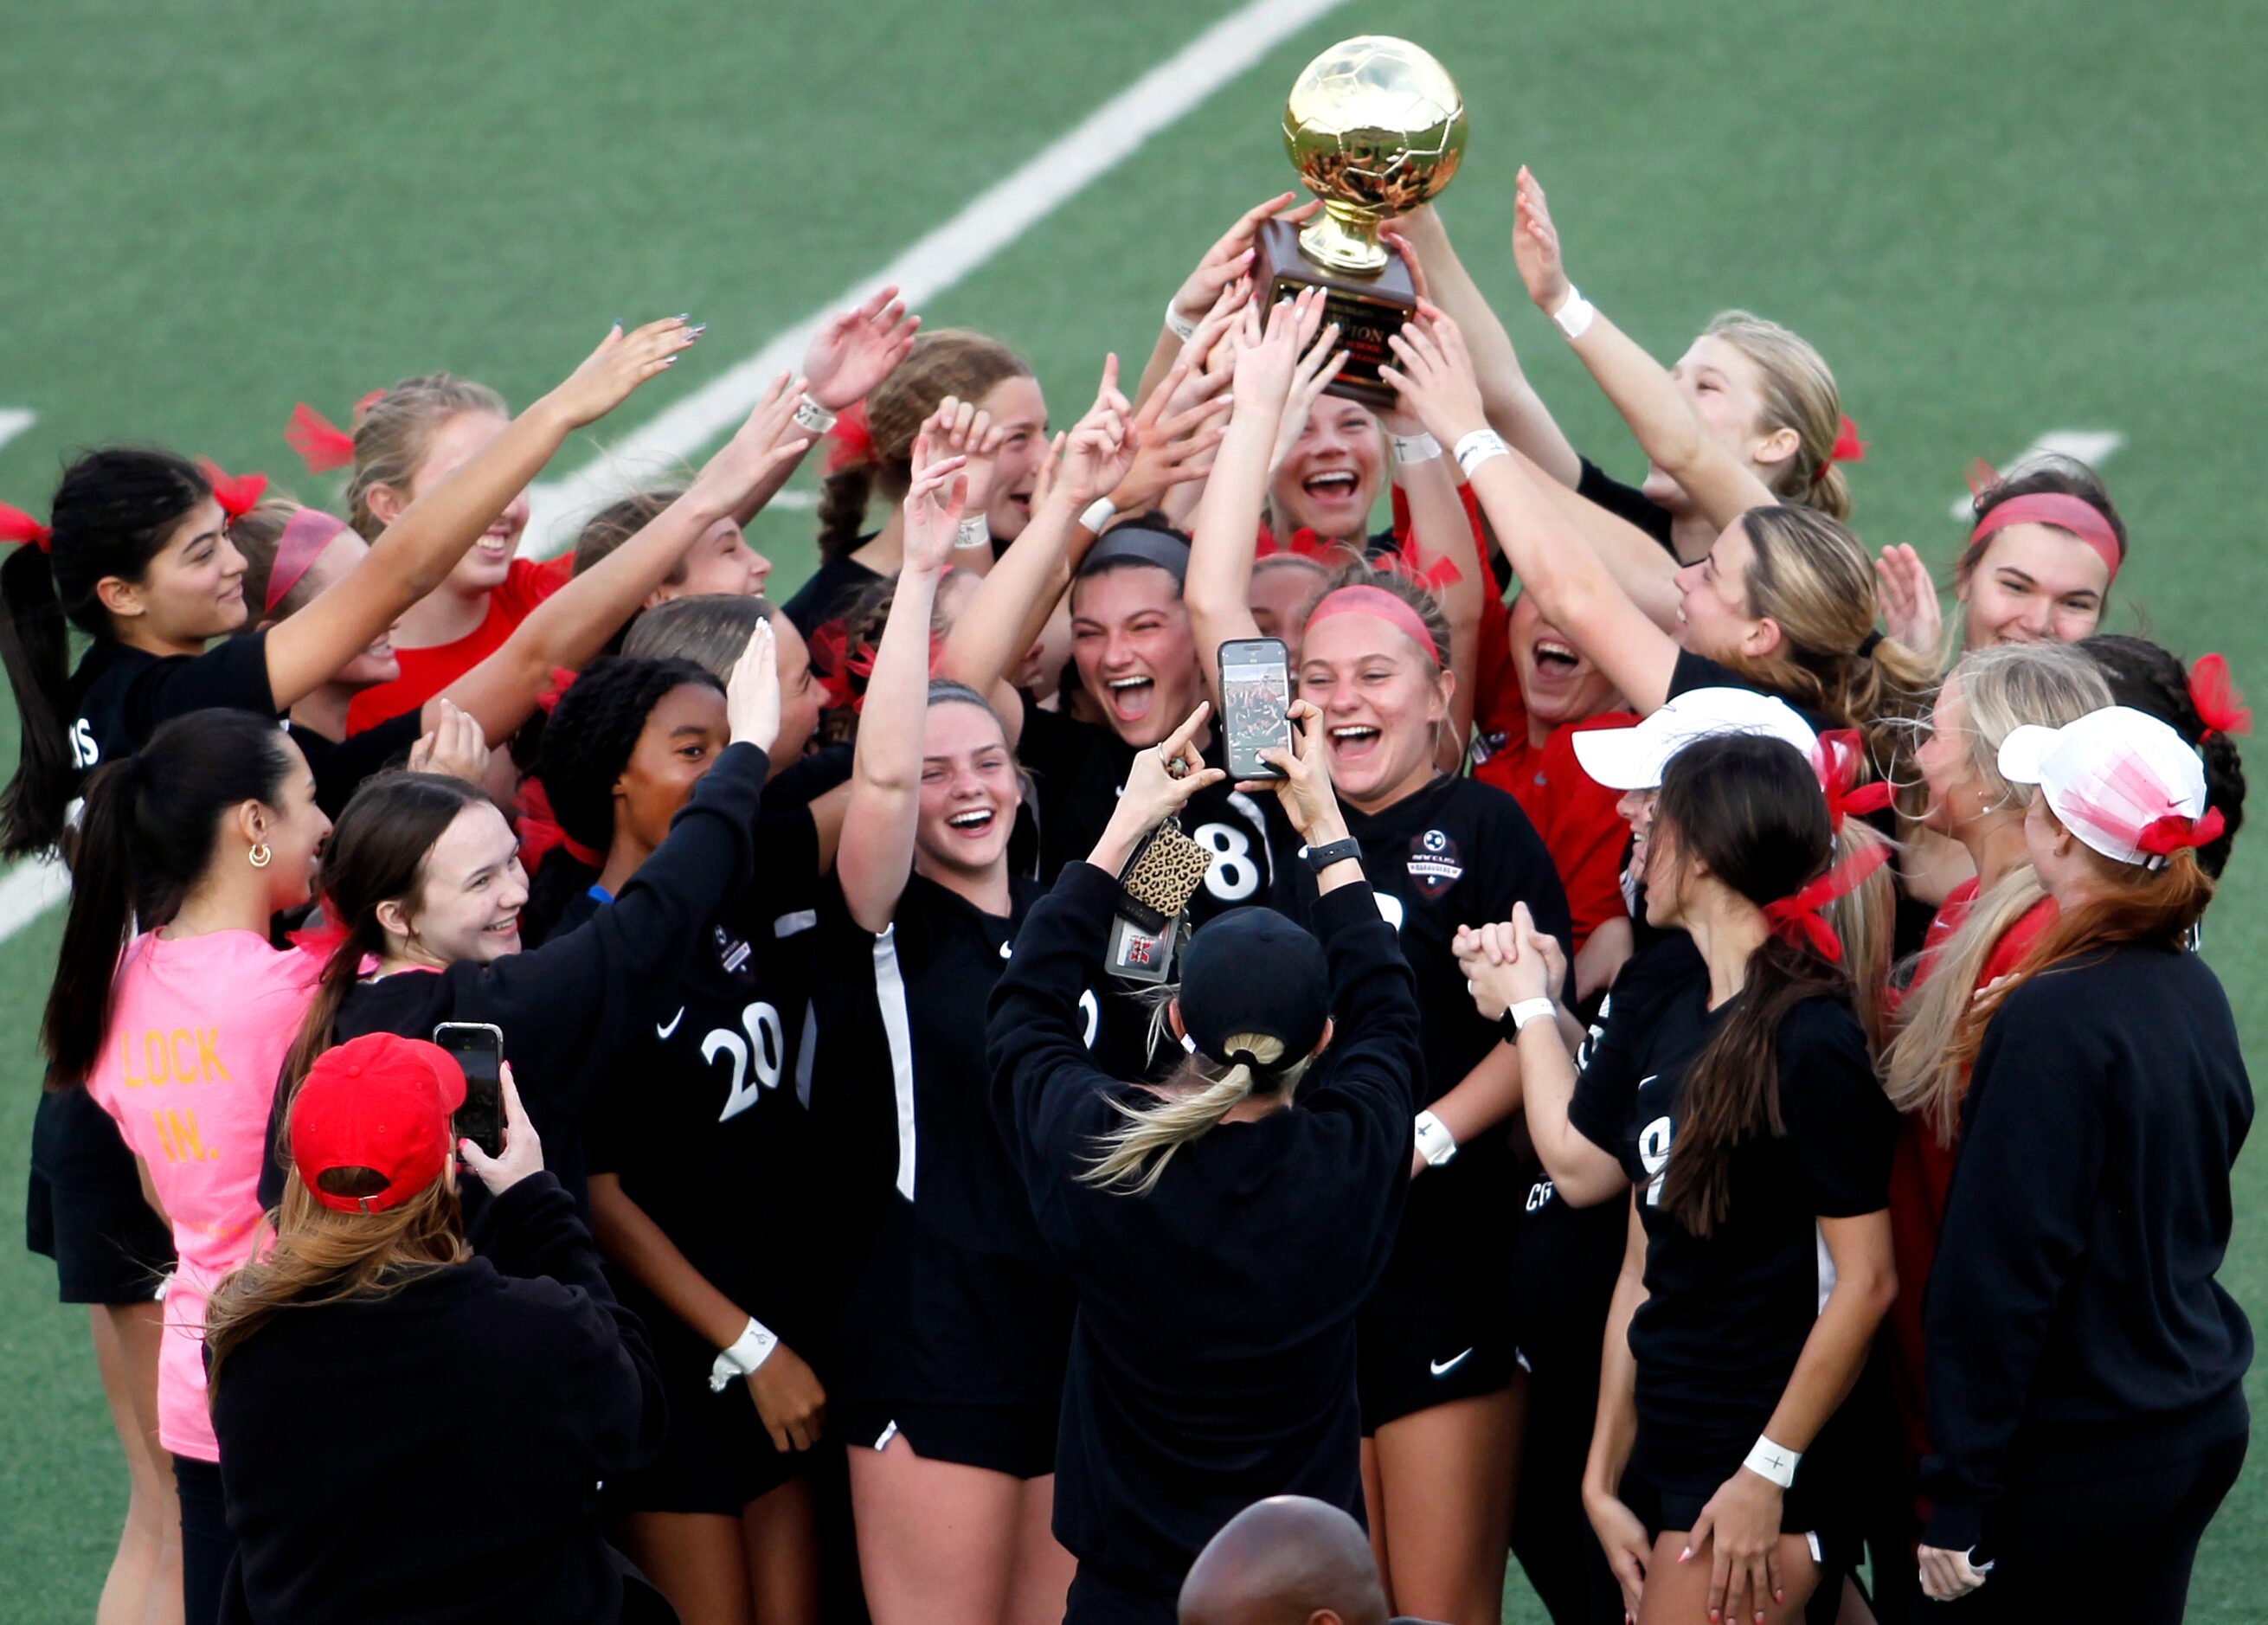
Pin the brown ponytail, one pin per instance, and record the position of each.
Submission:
(1748, 808)
(952, 361)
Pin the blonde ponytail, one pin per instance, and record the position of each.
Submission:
(1923, 1069)
(1164, 1129)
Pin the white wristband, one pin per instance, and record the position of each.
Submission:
(1531, 1010)
(748, 1351)
(1768, 1460)
(1435, 1143)
(1575, 314)
(812, 416)
(1478, 447)
(1419, 448)
(1098, 514)
(974, 533)
(1180, 325)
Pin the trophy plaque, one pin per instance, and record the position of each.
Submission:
(1374, 127)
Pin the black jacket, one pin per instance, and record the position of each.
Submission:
(2073, 1326)
(1212, 1363)
(435, 1454)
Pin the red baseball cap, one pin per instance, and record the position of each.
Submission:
(379, 1102)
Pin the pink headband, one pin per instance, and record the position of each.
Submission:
(305, 535)
(1378, 602)
(2081, 519)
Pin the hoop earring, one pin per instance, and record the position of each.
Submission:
(260, 854)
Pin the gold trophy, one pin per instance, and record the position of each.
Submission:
(1375, 127)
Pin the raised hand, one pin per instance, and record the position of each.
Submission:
(964, 430)
(1170, 450)
(1433, 375)
(759, 446)
(1268, 356)
(1318, 366)
(1232, 256)
(619, 365)
(455, 746)
(1911, 615)
(1099, 448)
(854, 350)
(751, 693)
(1535, 246)
(934, 503)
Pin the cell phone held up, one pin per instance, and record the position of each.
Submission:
(478, 1048)
(1255, 704)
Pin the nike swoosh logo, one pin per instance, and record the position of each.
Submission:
(1442, 1368)
(662, 1032)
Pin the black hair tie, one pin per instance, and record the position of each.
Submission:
(1867, 644)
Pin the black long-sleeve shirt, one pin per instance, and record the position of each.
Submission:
(1212, 1363)
(570, 1010)
(349, 1433)
(2073, 1326)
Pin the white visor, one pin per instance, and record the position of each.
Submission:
(1633, 758)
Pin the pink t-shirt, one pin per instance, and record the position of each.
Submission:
(199, 1029)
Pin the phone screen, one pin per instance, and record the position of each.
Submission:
(478, 1048)
(1255, 703)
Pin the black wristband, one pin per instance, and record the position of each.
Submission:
(1322, 858)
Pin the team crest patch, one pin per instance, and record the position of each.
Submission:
(731, 953)
(1434, 864)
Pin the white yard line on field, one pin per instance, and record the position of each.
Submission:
(14, 420)
(2086, 445)
(992, 220)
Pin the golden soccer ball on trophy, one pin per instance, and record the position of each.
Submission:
(1375, 127)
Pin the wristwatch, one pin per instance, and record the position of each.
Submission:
(1518, 1016)
(1322, 858)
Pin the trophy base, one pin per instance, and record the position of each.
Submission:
(1369, 309)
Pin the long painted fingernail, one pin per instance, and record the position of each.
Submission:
(1687, 1553)
(682, 316)
(618, 321)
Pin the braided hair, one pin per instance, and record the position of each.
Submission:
(587, 744)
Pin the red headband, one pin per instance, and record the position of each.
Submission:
(2219, 705)
(1360, 600)
(1797, 918)
(304, 537)
(2074, 514)
(17, 525)
(238, 494)
(321, 444)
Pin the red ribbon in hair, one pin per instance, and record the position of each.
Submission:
(1848, 448)
(1797, 918)
(318, 942)
(321, 444)
(562, 677)
(238, 494)
(2165, 836)
(1303, 544)
(828, 647)
(1411, 564)
(851, 442)
(2219, 705)
(539, 831)
(17, 525)
(1838, 761)
(363, 405)
(860, 664)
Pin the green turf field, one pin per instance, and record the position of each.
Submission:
(1996, 222)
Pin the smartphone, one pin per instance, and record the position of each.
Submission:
(478, 1048)
(1255, 704)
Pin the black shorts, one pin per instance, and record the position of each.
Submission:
(1406, 1364)
(719, 1457)
(83, 1206)
(1019, 1440)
